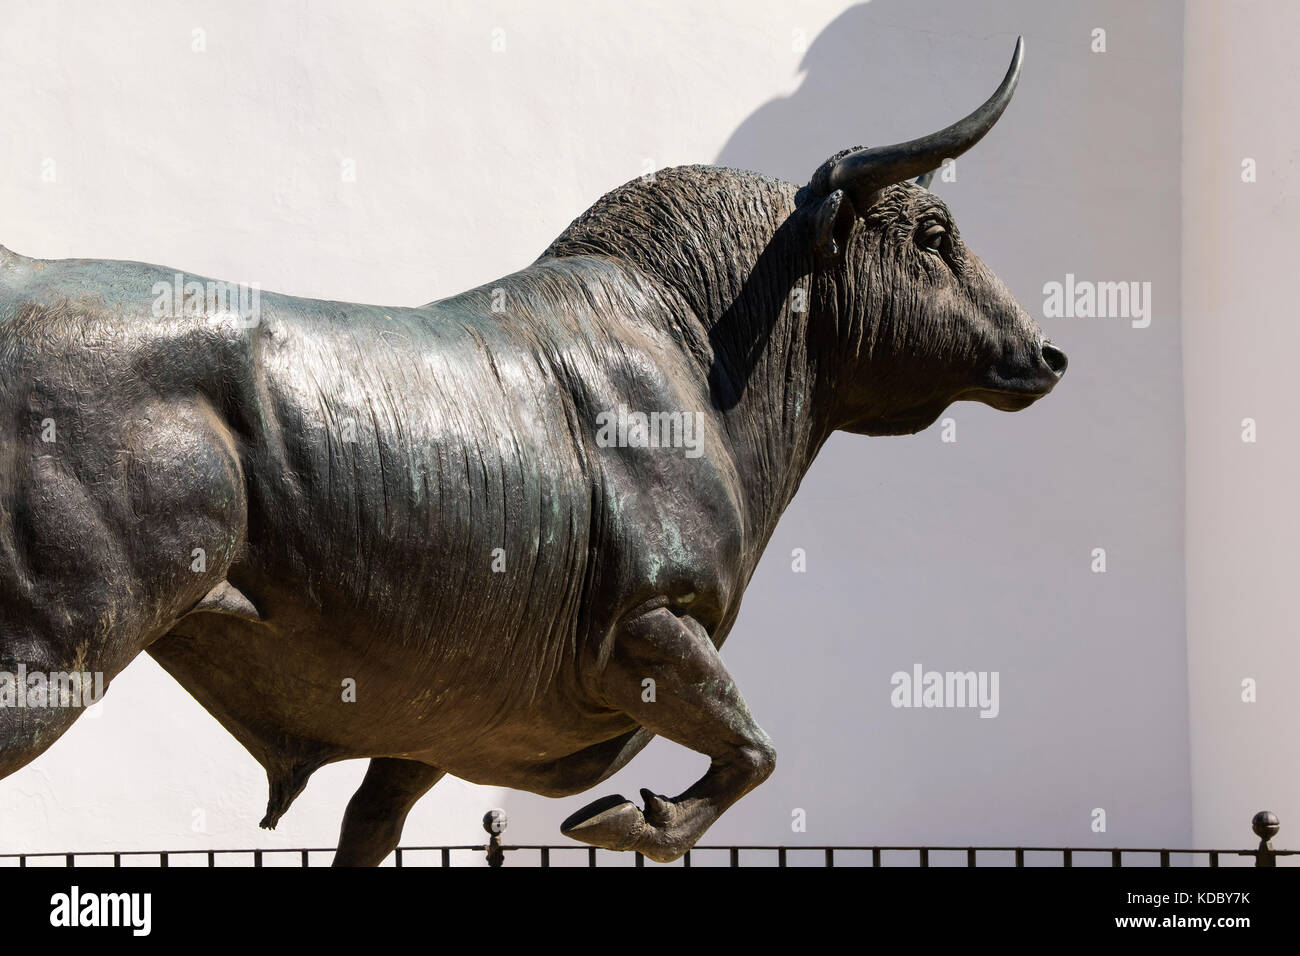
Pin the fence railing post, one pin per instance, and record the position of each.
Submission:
(1265, 824)
(494, 822)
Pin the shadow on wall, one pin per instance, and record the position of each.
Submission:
(790, 136)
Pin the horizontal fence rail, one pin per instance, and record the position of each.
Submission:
(1265, 825)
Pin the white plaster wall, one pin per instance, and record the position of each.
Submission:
(973, 555)
(1240, 333)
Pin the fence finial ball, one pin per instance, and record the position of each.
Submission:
(1265, 824)
(494, 821)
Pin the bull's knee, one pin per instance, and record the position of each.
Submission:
(756, 759)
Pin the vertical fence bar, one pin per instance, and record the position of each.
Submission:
(875, 856)
(830, 856)
(686, 860)
(1020, 857)
(68, 861)
(117, 859)
(780, 856)
(163, 862)
(257, 858)
(1214, 858)
(22, 862)
(212, 859)
(591, 857)
(305, 862)
(1115, 859)
(397, 858)
(1067, 858)
(970, 856)
(546, 857)
(925, 855)
(1164, 857)
(446, 857)
(734, 855)
(640, 859)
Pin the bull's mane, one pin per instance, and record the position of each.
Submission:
(726, 243)
(731, 246)
(699, 229)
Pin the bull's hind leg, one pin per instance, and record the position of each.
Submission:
(376, 813)
(695, 703)
(94, 569)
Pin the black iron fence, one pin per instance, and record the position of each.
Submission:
(1265, 825)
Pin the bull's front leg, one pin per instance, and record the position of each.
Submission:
(695, 703)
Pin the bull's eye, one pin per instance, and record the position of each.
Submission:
(933, 238)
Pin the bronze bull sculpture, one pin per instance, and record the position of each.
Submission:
(502, 535)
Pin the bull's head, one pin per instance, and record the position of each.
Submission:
(927, 323)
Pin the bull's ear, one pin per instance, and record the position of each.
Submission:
(833, 222)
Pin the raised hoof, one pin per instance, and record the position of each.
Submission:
(611, 822)
(616, 823)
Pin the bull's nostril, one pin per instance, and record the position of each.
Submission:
(1055, 359)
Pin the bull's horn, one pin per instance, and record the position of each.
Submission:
(863, 171)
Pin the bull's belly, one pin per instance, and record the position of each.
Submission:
(306, 687)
